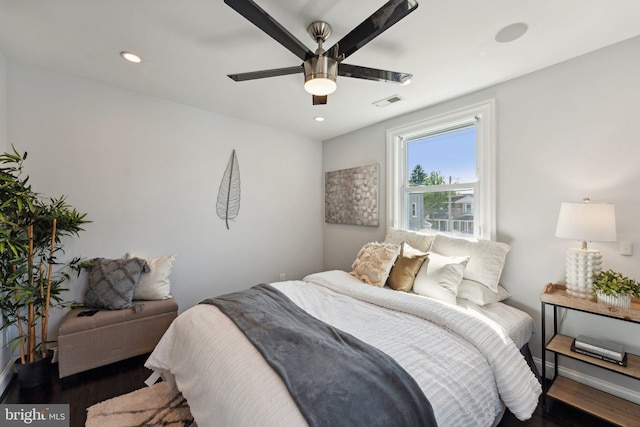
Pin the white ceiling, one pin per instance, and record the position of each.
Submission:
(189, 46)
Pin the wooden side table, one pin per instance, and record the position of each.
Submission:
(606, 406)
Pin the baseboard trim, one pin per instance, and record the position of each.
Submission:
(5, 378)
(605, 386)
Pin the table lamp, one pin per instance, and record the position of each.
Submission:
(587, 222)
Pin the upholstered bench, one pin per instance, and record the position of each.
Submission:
(86, 342)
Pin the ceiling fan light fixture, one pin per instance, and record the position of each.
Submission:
(320, 86)
(321, 67)
(320, 75)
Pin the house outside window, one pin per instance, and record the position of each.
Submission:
(444, 164)
(414, 222)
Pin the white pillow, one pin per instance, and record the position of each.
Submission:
(155, 284)
(374, 262)
(420, 241)
(441, 277)
(486, 258)
(480, 294)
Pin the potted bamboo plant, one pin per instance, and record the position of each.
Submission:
(32, 229)
(615, 289)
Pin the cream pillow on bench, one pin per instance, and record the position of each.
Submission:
(155, 284)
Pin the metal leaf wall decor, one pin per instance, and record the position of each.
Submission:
(228, 204)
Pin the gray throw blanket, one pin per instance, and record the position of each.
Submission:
(334, 378)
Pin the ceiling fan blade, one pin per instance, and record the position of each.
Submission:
(390, 13)
(348, 70)
(319, 99)
(266, 23)
(266, 73)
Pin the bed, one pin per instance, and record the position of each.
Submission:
(465, 356)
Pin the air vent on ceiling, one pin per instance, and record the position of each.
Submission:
(388, 101)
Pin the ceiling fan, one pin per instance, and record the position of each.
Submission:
(321, 68)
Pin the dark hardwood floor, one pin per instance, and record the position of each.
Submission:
(88, 388)
(84, 389)
(557, 414)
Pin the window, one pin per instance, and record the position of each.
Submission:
(441, 173)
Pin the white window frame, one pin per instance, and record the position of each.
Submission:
(484, 193)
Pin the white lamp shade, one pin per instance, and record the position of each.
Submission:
(593, 222)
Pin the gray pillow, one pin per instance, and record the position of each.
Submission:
(111, 282)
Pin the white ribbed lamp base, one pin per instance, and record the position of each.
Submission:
(581, 265)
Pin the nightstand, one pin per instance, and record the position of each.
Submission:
(606, 406)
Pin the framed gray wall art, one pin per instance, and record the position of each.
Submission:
(351, 196)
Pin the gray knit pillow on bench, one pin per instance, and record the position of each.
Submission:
(111, 282)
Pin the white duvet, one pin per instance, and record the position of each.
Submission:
(465, 366)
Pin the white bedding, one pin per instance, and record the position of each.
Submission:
(517, 324)
(466, 379)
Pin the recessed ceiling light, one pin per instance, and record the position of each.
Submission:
(318, 119)
(131, 57)
(511, 32)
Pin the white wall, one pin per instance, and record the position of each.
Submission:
(565, 132)
(3, 102)
(5, 334)
(147, 172)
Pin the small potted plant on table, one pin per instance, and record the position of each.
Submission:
(615, 289)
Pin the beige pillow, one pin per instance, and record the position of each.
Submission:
(420, 241)
(406, 267)
(486, 258)
(155, 284)
(441, 277)
(374, 262)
